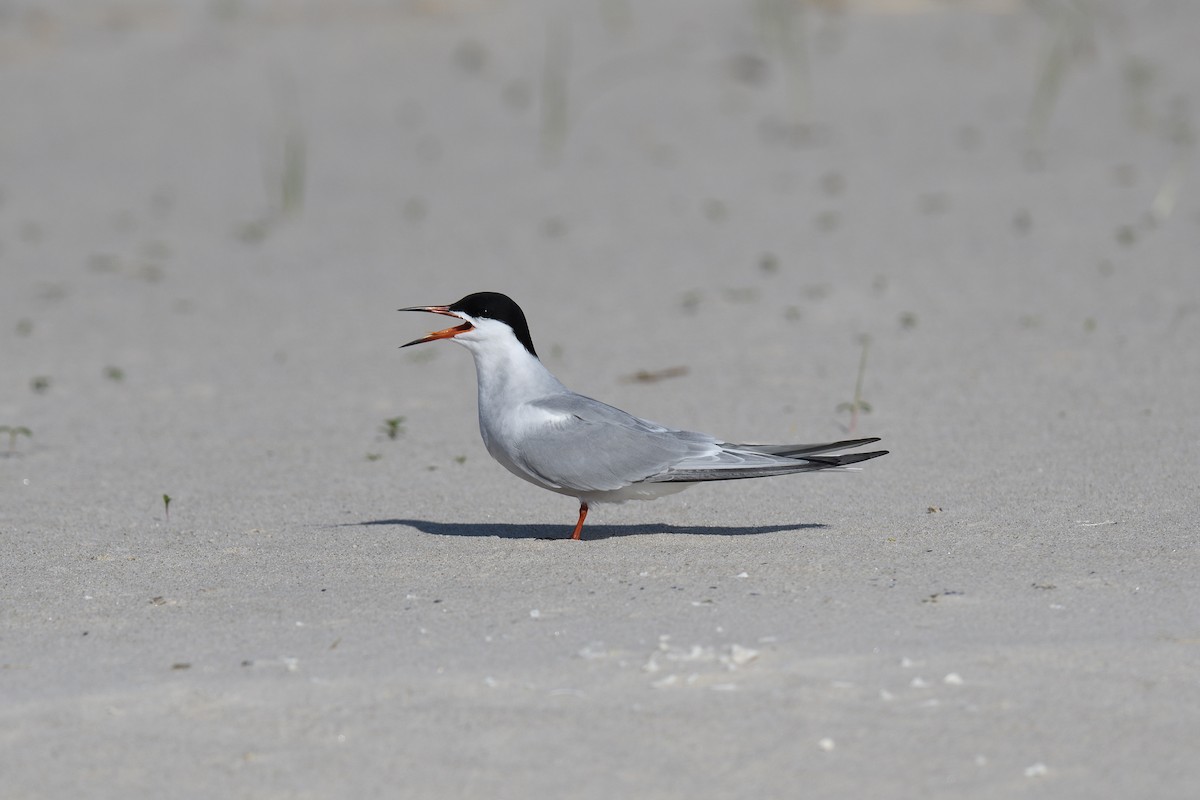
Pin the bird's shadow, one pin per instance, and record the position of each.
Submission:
(509, 530)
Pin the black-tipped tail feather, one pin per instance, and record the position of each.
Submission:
(801, 463)
(795, 450)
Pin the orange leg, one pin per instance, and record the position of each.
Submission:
(579, 525)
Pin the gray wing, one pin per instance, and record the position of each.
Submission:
(593, 446)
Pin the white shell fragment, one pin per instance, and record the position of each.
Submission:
(740, 656)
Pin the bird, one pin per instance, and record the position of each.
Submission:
(548, 435)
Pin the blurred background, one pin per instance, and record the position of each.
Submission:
(209, 211)
(231, 508)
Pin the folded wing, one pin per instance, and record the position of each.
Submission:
(591, 446)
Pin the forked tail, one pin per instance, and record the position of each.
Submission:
(764, 460)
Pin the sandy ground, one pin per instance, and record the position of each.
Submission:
(210, 211)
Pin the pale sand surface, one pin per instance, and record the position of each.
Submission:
(332, 613)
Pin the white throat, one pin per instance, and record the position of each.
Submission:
(509, 378)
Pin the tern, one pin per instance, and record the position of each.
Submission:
(552, 437)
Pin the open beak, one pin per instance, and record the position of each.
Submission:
(445, 333)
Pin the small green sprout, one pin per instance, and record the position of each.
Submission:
(253, 232)
(1072, 33)
(167, 506)
(285, 178)
(858, 404)
(114, 374)
(393, 427)
(554, 94)
(292, 179)
(13, 432)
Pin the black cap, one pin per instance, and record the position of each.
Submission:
(500, 307)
